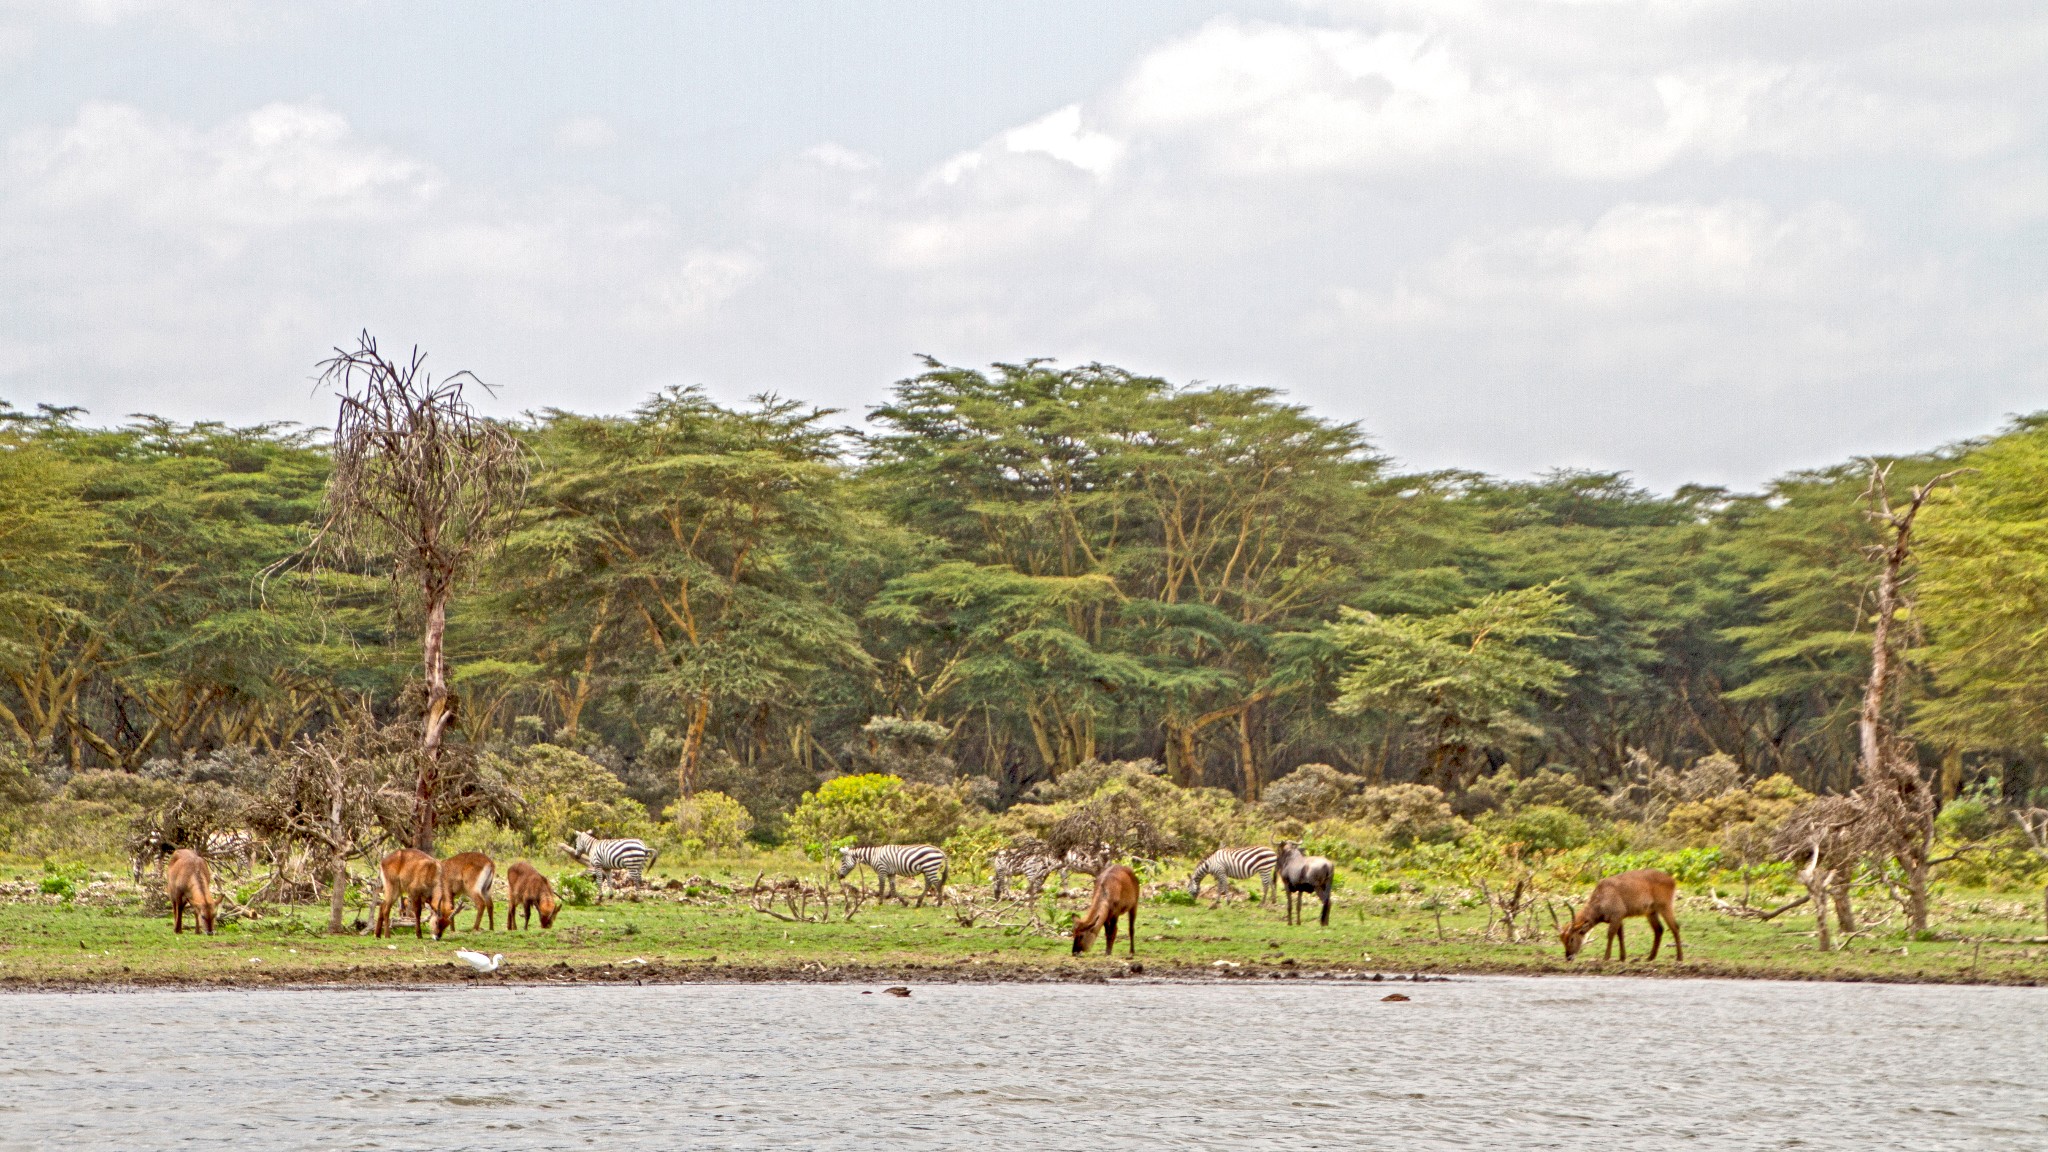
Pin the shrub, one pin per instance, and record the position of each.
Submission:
(712, 820)
(1762, 804)
(1971, 817)
(576, 889)
(1310, 793)
(876, 809)
(562, 790)
(1408, 814)
(501, 844)
(1128, 805)
(1544, 828)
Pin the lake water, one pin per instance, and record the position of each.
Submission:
(1484, 1063)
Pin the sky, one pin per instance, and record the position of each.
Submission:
(1704, 241)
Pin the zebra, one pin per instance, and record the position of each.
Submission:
(1034, 862)
(238, 846)
(892, 860)
(605, 857)
(1227, 864)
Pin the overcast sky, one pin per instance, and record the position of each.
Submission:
(1694, 241)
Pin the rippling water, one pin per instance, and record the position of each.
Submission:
(1490, 1063)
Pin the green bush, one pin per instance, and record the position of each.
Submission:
(1543, 828)
(876, 809)
(60, 886)
(576, 889)
(562, 791)
(711, 820)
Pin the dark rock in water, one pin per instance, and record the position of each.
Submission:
(899, 990)
(1393, 996)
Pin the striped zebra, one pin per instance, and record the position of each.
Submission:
(608, 856)
(237, 846)
(1227, 864)
(1034, 861)
(892, 860)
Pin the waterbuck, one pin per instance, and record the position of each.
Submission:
(189, 883)
(409, 878)
(527, 890)
(1646, 892)
(1116, 894)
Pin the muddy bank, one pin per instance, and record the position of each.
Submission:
(971, 972)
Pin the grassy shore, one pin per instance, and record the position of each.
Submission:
(707, 929)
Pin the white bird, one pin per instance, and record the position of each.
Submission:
(479, 961)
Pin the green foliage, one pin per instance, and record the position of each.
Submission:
(564, 791)
(1543, 828)
(1463, 677)
(712, 820)
(876, 809)
(1755, 808)
(576, 889)
(1984, 596)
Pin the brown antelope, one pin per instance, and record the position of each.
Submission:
(527, 889)
(410, 877)
(188, 881)
(1116, 894)
(1300, 875)
(466, 874)
(1646, 893)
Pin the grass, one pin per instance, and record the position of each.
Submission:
(101, 935)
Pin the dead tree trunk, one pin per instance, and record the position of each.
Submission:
(1898, 803)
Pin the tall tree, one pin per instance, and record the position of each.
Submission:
(668, 537)
(423, 482)
(1463, 678)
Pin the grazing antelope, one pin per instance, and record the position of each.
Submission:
(188, 881)
(526, 889)
(410, 877)
(1300, 875)
(466, 874)
(1646, 892)
(1116, 894)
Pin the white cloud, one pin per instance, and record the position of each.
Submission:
(276, 165)
(1061, 136)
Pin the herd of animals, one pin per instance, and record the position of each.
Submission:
(417, 884)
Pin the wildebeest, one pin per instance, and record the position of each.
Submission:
(1646, 892)
(1301, 874)
(188, 881)
(1116, 894)
(409, 878)
(526, 889)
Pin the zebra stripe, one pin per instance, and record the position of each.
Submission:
(605, 857)
(892, 860)
(1227, 864)
(1034, 862)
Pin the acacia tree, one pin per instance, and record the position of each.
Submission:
(669, 535)
(1461, 678)
(423, 482)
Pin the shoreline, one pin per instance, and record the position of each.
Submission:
(660, 972)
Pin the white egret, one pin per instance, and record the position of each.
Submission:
(479, 961)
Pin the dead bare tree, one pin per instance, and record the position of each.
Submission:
(2034, 822)
(1824, 836)
(423, 482)
(340, 794)
(1897, 803)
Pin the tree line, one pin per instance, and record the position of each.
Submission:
(1003, 574)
